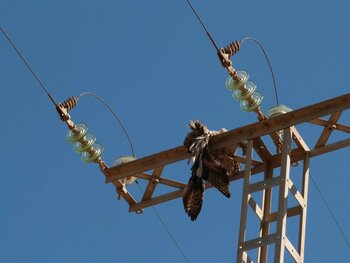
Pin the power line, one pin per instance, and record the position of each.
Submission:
(204, 27)
(330, 211)
(28, 66)
(166, 228)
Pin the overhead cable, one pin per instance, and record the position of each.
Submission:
(28, 66)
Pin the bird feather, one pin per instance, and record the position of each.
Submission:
(193, 197)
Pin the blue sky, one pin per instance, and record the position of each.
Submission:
(152, 62)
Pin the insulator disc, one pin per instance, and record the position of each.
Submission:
(257, 100)
(232, 84)
(88, 157)
(89, 139)
(74, 137)
(125, 159)
(278, 110)
(128, 180)
(250, 87)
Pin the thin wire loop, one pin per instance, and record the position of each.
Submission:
(28, 66)
(115, 116)
(267, 60)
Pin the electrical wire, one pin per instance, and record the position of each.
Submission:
(330, 211)
(28, 66)
(204, 27)
(166, 228)
(115, 116)
(267, 60)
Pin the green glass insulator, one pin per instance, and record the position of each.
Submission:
(250, 87)
(232, 84)
(278, 110)
(87, 142)
(73, 137)
(125, 159)
(89, 157)
(257, 100)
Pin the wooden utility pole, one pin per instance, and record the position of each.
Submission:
(276, 170)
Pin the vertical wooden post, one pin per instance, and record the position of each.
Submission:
(283, 197)
(244, 207)
(302, 220)
(266, 206)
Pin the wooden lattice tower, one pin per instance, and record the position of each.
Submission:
(274, 170)
(284, 184)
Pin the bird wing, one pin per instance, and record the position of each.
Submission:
(231, 166)
(217, 177)
(193, 197)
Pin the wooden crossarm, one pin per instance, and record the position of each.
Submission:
(232, 137)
